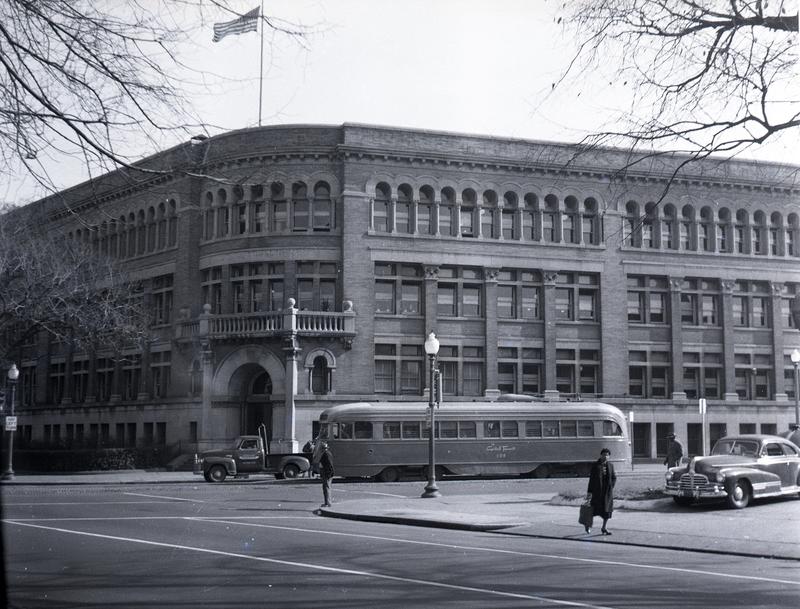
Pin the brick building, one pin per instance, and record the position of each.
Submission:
(291, 268)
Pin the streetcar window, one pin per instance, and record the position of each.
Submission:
(569, 429)
(611, 428)
(363, 430)
(411, 429)
(345, 431)
(550, 429)
(467, 429)
(391, 431)
(510, 429)
(448, 429)
(585, 429)
(533, 429)
(491, 429)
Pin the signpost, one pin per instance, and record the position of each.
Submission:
(630, 436)
(703, 436)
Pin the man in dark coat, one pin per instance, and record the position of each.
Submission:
(674, 452)
(601, 489)
(324, 459)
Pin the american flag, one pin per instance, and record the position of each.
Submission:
(246, 23)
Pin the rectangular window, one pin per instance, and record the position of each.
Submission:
(322, 215)
(689, 309)
(391, 431)
(507, 218)
(424, 220)
(471, 301)
(473, 378)
(709, 310)
(467, 222)
(384, 376)
(587, 305)
(487, 223)
(411, 430)
(658, 308)
(448, 429)
(740, 315)
(446, 220)
(636, 304)
(530, 303)
(467, 429)
(446, 300)
(384, 297)
(533, 429)
(491, 429)
(300, 214)
(506, 301)
(402, 218)
(564, 307)
(509, 429)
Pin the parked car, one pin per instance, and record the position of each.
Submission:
(739, 469)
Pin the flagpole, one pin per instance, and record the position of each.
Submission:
(261, 66)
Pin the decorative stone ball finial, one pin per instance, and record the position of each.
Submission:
(347, 305)
(292, 302)
(206, 309)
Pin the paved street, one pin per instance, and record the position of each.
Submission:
(261, 543)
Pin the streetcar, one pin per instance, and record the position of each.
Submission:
(389, 440)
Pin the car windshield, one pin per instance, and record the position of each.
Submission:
(747, 448)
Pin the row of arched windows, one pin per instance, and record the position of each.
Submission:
(487, 216)
(137, 233)
(274, 208)
(668, 228)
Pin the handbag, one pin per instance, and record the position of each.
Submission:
(586, 514)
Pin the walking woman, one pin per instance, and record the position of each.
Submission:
(601, 489)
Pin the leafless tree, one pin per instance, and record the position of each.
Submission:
(63, 288)
(706, 76)
(89, 77)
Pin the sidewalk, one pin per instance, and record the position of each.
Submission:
(764, 531)
(655, 523)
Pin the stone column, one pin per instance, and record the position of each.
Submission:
(287, 443)
(776, 378)
(676, 338)
(550, 335)
(490, 283)
(728, 341)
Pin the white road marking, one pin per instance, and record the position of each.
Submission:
(115, 518)
(501, 551)
(7, 504)
(290, 563)
(164, 497)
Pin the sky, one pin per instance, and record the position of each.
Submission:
(472, 66)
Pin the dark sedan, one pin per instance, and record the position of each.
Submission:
(739, 469)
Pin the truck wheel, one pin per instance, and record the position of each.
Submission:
(217, 473)
(290, 471)
(739, 495)
(390, 474)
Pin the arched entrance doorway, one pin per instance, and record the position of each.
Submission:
(252, 386)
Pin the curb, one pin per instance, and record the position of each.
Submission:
(418, 522)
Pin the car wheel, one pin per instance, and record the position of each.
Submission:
(390, 474)
(217, 473)
(290, 471)
(739, 495)
(683, 500)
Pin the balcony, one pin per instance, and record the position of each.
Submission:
(288, 323)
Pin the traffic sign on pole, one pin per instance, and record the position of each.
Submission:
(11, 423)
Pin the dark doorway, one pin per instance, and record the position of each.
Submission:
(641, 440)
(257, 404)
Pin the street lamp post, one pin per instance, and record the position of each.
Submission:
(795, 357)
(431, 349)
(8, 473)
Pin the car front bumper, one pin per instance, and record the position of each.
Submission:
(702, 491)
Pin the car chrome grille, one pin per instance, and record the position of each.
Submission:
(690, 480)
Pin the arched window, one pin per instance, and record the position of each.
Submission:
(508, 214)
(488, 207)
(530, 218)
(569, 222)
(467, 221)
(776, 242)
(223, 213)
(633, 237)
(759, 229)
(724, 242)
(151, 229)
(649, 226)
(162, 227)
(323, 214)
(380, 208)
(278, 205)
(740, 232)
(792, 235)
(262, 385)
(300, 207)
(320, 376)
(172, 239)
(688, 242)
(705, 232)
(122, 237)
(590, 222)
(141, 234)
(550, 220)
(425, 211)
(669, 228)
(402, 212)
(447, 209)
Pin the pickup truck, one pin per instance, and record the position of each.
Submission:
(247, 456)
